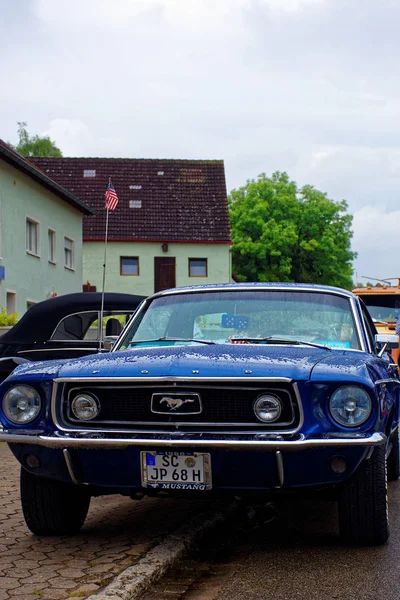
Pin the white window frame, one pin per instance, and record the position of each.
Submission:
(36, 224)
(51, 234)
(72, 250)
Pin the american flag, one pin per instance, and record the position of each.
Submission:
(111, 197)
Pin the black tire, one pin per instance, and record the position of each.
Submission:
(363, 505)
(393, 461)
(52, 507)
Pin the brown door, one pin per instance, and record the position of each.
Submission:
(164, 273)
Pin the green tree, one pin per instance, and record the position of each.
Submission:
(283, 233)
(33, 145)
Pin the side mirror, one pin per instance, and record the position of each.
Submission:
(386, 341)
(109, 341)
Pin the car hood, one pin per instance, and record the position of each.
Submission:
(299, 363)
(236, 360)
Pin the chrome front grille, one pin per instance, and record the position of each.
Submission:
(223, 405)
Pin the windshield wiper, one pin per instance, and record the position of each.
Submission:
(277, 340)
(172, 339)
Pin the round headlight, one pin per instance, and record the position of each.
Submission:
(268, 408)
(350, 406)
(21, 404)
(85, 407)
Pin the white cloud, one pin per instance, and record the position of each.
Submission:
(376, 228)
(75, 138)
(84, 13)
(376, 239)
(71, 135)
(291, 5)
(361, 175)
(119, 14)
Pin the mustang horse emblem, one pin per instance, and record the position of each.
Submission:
(174, 403)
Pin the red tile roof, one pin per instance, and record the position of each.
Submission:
(159, 200)
(10, 156)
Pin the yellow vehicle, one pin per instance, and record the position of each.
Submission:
(383, 303)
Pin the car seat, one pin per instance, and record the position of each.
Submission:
(113, 327)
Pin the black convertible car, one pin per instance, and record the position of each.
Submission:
(67, 326)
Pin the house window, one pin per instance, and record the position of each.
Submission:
(197, 267)
(11, 303)
(129, 265)
(32, 237)
(52, 246)
(29, 304)
(68, 253)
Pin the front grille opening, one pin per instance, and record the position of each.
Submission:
(129, 406)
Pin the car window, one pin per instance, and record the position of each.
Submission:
(113, 322)
(382, 308)
(221, 317)
(77, 327)
(85, 326)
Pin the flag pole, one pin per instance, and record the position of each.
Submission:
(101, 339)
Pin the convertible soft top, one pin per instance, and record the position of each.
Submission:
(38, 322)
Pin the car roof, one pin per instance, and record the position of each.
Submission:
(39, 322)
(311, 287)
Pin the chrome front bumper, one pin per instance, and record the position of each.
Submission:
(261, 442)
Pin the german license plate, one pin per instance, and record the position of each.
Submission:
(176, 470)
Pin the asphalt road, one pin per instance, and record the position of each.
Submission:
(297, 555)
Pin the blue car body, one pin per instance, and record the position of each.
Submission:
(186, 397)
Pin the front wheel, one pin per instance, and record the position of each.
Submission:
(52, 507)
(363, 504)
(393, 461)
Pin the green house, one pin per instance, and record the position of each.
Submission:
(40, 235)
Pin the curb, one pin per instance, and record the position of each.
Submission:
(135, 580)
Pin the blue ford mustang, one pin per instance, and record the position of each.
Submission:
(234, 388)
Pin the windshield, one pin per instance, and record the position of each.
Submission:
(382, 308)
(231, 316)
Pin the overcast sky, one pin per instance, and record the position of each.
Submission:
(310, 87)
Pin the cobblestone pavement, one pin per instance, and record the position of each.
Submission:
(116, 534)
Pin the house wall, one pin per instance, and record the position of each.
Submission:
(34, 278)
(218, 260)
